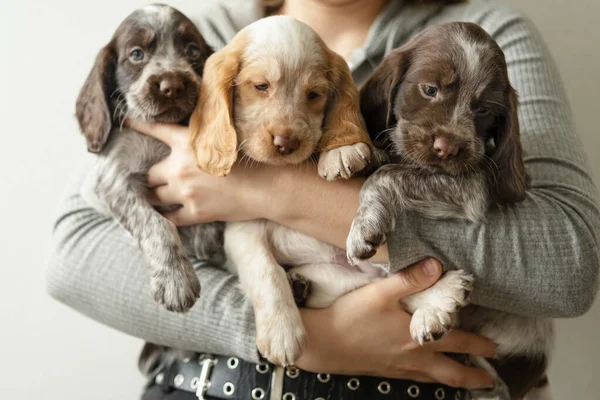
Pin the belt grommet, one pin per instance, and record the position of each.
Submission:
(228, 388)
(289, 396)
(159, 378)
(323, 378)
(413, 391)
(233, 362)
(440, 394)
(320, 398)
(384, 387)
(353, 384)
(186, 360)
(194, 382)
(258, 394)
(262, 368)
(178, 380)
(457, 396)
(292, 372)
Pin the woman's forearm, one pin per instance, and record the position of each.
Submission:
(300, 199)
(96, 269)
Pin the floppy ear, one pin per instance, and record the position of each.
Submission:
(343, 124)
(213, 135)
(508, 186)
(93, 103)
(378, 92)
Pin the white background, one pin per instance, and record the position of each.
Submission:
(48, 351)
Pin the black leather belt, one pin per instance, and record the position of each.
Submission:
(218, 377)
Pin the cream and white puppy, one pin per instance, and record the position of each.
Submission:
(277, 95)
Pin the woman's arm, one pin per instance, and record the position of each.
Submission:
(96, 268)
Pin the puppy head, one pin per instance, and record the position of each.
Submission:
(277, 94)
(150, 70)
(444, 101)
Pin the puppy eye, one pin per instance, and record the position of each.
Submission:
(429, 90)
(483, 112)
(312, 95)
(192, 51)
(261, 87)
(136, 55)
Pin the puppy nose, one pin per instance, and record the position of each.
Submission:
(171, 86)
(285, 144)
(443, 149)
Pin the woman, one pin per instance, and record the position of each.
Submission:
(537, 258)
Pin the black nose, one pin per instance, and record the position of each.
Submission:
(171, 86)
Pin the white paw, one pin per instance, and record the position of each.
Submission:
(280, 335)
(343, 161)
(430, 324)
(445, 299)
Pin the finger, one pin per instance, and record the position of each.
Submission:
(169, 134)
(463, 342)
(454, 374)
(413, 279)
(163, 196)
(158, 174)
(182, 217)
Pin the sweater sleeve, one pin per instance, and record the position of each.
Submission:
(538, 257)
(96, 269)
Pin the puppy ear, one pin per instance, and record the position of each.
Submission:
(343, 124)
(213, 135)
(378, 92)
(508, 186)
(93, 103)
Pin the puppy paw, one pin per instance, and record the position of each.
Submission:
(448, 296)
(343, 161)
(300, 287)
(364, 239)
(175, 287)
(280, 335)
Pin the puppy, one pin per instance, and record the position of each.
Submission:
(278, 99)
(150, 70)
(444, 106)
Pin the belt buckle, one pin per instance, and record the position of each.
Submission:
(204, 383)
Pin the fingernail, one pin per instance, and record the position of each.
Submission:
(430, 267)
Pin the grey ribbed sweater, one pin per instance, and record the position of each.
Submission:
(539, 257)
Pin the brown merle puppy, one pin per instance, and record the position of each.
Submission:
(150, 70)
(443, 106)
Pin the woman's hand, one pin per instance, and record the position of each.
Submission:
(205, 198)
(366, 332)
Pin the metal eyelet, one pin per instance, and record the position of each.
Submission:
(262, 368)
(353, 384)
(258, 394)
(186, 360)
(323, 378)
(159, 378)
(233, 362)
(320, 398)
(292, 372)
(228, 388)
(289, 396)
(384, 387)
(413, 391)
(194, 382)
(178, 380)
(440, 394)
(458, 396)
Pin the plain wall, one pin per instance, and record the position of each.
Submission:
(48, 351)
